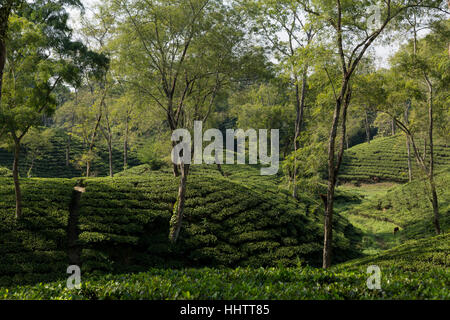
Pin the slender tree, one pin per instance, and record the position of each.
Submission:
(355, 27)
(38, 61)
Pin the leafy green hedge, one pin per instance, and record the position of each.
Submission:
(53, 163)
(226, 224)
(245, 283)
(418, 269)
(33, 249)
(385, 159)
(123, 226)
(5, 172)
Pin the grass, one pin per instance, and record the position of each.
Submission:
(381, 207)
(377, 233)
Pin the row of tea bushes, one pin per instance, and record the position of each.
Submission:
(225, 224)
(409, 207)
(33, 249)
(123, 225)
(415, 270)
(385, 159)
(53, 162)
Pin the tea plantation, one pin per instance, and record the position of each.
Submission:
(385, 159)
(405, 206)
(52, 163)
(411, 271)
(122, 225)
(243, 237)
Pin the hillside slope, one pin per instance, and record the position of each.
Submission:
(123, 225)
(53, 162)
(432, 253)
(416, 270)
(385, 159)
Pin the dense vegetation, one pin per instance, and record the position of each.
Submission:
(385, 159)
(54, 163)
(411, 271)
(380, 210)
(114, 114)
(123, 226)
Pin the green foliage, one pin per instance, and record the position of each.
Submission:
(310, 161)
(414, 257)
(51, 160)
(155, 153)
(5, 172)
(385, 159)
(408, 207)
(33, 249)
(416, 270)
(124, 223)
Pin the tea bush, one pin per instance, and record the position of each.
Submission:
(53, 162)
(385, 159)
(123, 226)
(416, 270)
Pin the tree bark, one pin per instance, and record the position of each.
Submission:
(177, 217)
(69, 141)
(300, 107)
(175, 170)
(367, 126)
(434, 200)
(17, 189)
(333, 168)
(125, 143)
(448, 4)
(5, 11)
(408, 145)
(110, 150)
(108, 137)
(30, 169)
(91, 145)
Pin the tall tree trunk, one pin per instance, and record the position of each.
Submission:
(108, 137)
(5, 11)
(30, 169)
(408, 149)
(91, 145)
(408, 145)
(342, 102)
(2, 62)
(448, 4)
(110, 150)
(125, 144)
(300, 107)
(434, 200)
(175, 170)
(393, 127)
(69, 141)
(177, 218)
(367, 126)
(17, 189)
